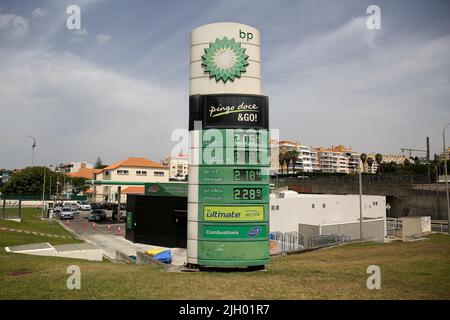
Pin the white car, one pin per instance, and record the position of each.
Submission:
(84, 206)
(66, 213)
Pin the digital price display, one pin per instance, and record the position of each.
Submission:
(247, 174)
(247, 193)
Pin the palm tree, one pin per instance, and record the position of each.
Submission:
(363, 158)
(293, 155)
(288, 158)
(281, 160)
(378, 160)
(370, 162)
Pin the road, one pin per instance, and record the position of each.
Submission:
(110, 236)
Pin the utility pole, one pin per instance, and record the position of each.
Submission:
(446, 178)
(360, 205)
(43, 194)
(33, 145)
(428, 159)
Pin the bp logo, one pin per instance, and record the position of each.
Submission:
(253, 232)
(224, 59)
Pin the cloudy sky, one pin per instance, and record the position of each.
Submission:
(119, 86)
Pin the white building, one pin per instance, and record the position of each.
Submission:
(73, 167)
(132, 172)
(289, 210)
(178, 166)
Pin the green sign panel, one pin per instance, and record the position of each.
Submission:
(234, 156)
(231, 175)
(234, 232)
(233, 213)
(248, 138)
(166, 189)
(233, 193)
(239, 251)
(129, 220)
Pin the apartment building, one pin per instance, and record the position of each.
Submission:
(387, 158)
(73, 167)
(338, 159)
(441, 156)
(132, 172)
(178, 166)
(304, 161)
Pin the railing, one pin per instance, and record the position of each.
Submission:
(439, 226)
(318, 241)
(285, 242)
(392, 224)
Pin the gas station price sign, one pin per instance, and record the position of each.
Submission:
(229, 175)
(228, 191)
(247, 174)
(247, 193)
(229, 194)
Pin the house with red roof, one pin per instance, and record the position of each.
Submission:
(129, 176)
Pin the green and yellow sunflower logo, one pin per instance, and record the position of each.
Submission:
(224, 59)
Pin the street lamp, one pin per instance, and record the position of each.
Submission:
(446, 177)
(360, 204)
(43, 194)
(32, 149)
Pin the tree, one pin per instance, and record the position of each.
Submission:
(99, 164)
(293, 155)
(363, 158)
(379, 159)
(79, 185)
(287, 160)
(281, 160)
(30, 181)
(370, 162)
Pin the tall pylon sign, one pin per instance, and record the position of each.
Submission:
(228, 194)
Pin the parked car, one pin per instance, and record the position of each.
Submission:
(57, 210)
(97, 215)
(96, 206)
(66, 213)
(84, 206)
(74, 207)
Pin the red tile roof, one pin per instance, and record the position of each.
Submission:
(134, 190)
(84, 173)
(135, 162)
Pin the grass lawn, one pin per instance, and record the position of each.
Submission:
(418, 270)
(31, 221)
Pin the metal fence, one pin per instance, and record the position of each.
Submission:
(10, 209)
(439, 227)
(285, 242)
(392, 224)
(318, 241)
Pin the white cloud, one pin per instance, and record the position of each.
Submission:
(80, 110)
(12, 25)
(103, 38)
(39, 13)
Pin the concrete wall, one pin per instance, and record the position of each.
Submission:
(287, 213)
(372, 229)
(406, 198)
(415, 226)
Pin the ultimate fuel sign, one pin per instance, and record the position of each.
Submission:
(228, 190)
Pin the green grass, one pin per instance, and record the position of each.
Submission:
(31, 221)
(415, 270)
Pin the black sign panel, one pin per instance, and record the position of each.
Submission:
(230, 111)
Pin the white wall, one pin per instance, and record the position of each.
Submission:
(338, 209)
